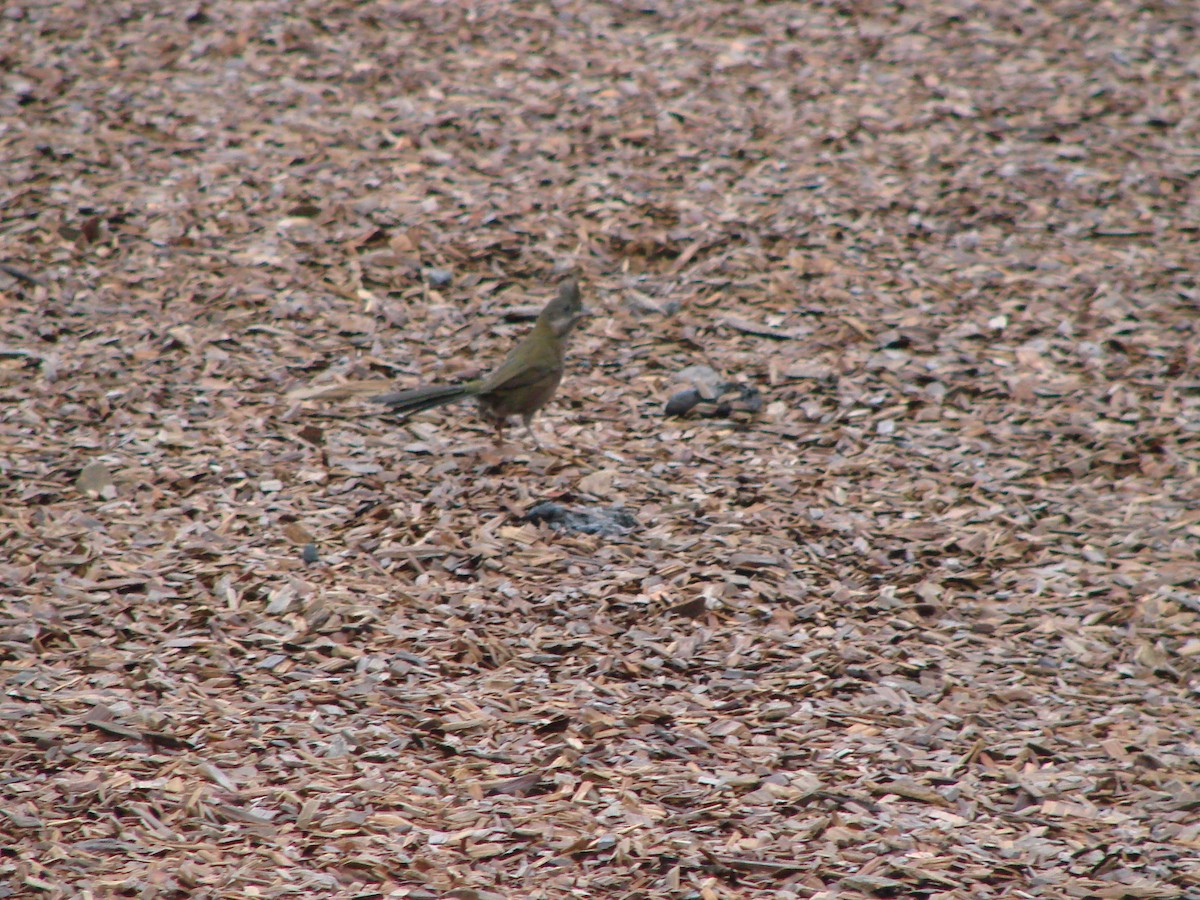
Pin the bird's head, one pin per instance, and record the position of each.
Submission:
(564, 311)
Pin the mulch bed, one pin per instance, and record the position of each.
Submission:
(921, 621)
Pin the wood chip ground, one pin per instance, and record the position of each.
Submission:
(926, 626)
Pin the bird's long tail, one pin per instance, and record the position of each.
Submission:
(425, 397)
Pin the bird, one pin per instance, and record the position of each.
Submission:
(522, 384)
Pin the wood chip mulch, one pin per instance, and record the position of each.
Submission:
(921, 621)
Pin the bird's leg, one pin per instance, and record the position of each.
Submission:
(528, 420)
(499, 423)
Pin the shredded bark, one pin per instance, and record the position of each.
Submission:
(922, 621)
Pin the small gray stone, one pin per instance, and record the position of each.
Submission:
(605, 521)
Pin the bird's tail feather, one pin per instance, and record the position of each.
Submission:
(424, 397)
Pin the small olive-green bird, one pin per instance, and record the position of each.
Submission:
(523, 383)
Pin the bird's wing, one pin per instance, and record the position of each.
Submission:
(530, 362)
(519, 373)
